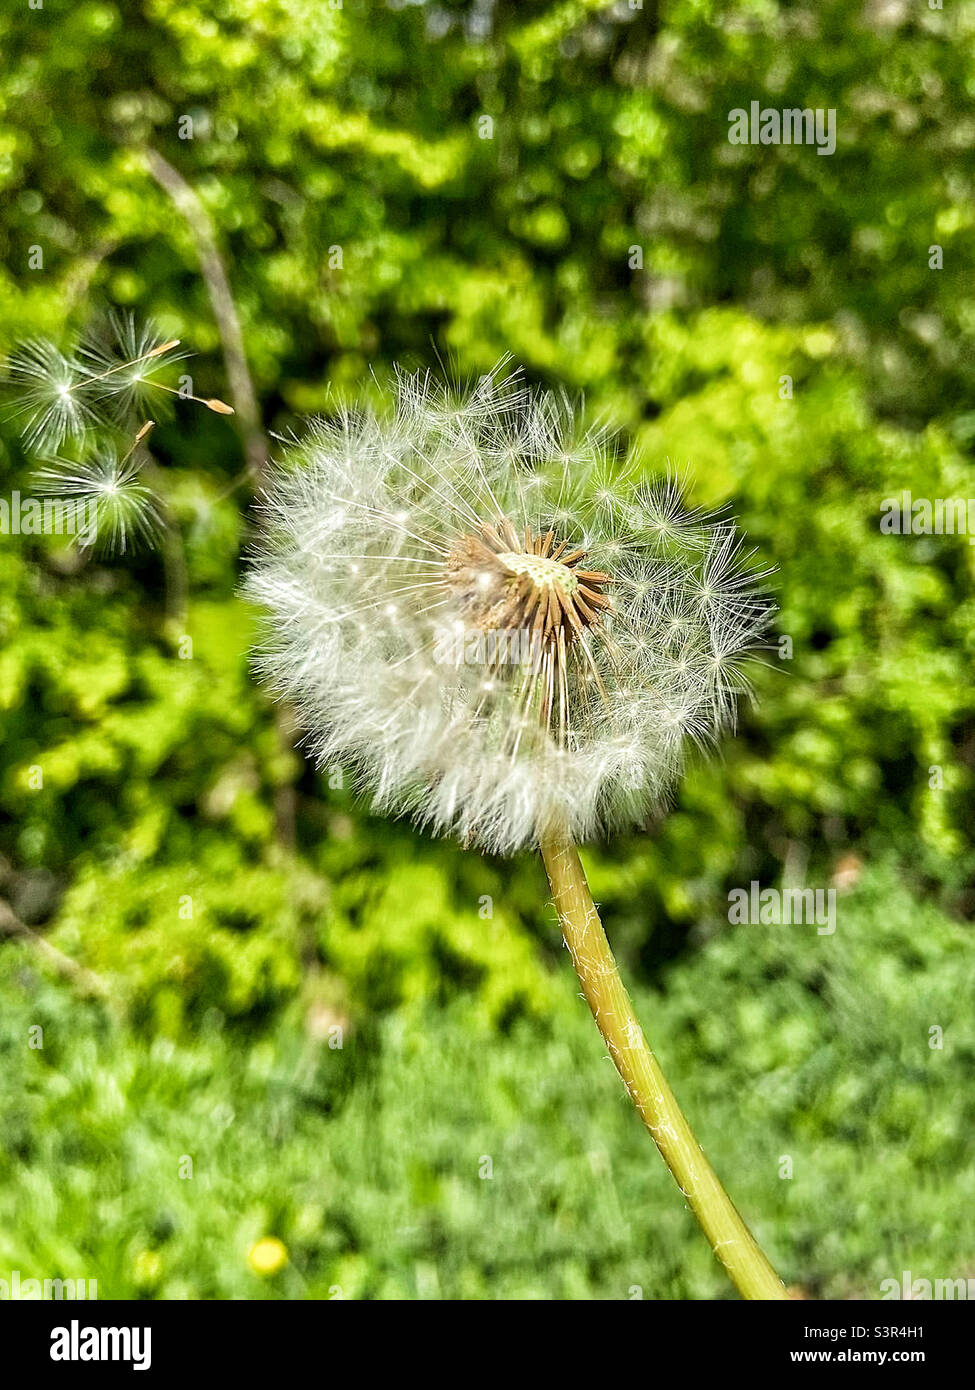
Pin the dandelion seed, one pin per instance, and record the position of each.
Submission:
(124, 365)
(127, 512)
(64, 396)
(49, 401)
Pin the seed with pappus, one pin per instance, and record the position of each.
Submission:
(122, 510)
(483, 616)
(91, 399)
(103, 381)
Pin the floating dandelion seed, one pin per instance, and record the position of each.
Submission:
(47, 382)
(66, 396)
(90, 396)
(488, 516)
(492, 515)
(124, 365)
(126, 512)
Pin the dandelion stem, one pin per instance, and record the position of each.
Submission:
(606, 995)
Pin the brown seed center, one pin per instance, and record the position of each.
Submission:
(508, 581)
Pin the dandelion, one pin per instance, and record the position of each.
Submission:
(125, 362)
(47, 382)
(451, 516)
(127, 372)
(390, 541)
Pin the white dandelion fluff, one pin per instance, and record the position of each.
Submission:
(127, 362)
(477, 611)
(117, 373)
(125, 512)
(51, 398)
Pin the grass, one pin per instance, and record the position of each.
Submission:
(431, 1157)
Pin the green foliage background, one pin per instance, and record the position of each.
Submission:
(166, 779)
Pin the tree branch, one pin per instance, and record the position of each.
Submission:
(214, 274)
(87, 980)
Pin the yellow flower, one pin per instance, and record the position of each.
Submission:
(267, 1256)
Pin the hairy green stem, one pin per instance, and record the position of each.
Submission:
(730, 1238)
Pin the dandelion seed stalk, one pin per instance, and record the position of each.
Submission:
(94, 378)
(606, 995)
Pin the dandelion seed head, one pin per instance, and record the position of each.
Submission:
(404, 556)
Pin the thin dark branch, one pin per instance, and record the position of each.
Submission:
(87, 980)
(241, 386)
